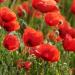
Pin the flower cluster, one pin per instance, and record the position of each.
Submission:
(8, 19)
(37, 43)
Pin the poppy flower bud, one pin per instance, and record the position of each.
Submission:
(11, 42)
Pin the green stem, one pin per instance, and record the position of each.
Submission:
(13, 2)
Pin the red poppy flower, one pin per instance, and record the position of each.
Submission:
(37, 14)
(32, 37)
(48, 52)
(11, 42)
(27, 65)
(45, 6)
(73, 7)
(7, 15)
(19, 63)
(53, 36)
(35, 52)
(57, 0)
(1, 21)
(65, 28)
(69, 43)
(2, 1)
(24, 7)
(53, 18)
(8, 19)
(11, 26)
(58, 39)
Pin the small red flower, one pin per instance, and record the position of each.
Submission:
(58, 39)
(35, 52)
(48, 52)
(53, 36)
(24, 7)
(27, 65)
(19, 63)
(73, 7)
(57, 0)
(7, 15)
(1, 1)
(45, 6)
(11, 42)
(53, 18)
(8, 19)
(37, 14)
(69, 43)
(32, 37)
(65, 28)
(11, 26)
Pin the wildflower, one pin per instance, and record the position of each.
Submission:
(7, 15)
(27, 65)
(11, 42)
(45, 6)
(24, 7)
(54, 18)
(11, 26)
(19, 63)
(8, 19)
(48, 52)
(69, 43)
(57, 0)
(32, 37)
(65, 28)
(73, 7)
(1, 1)
(37, 14)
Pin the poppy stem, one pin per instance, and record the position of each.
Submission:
(27, 73)
(13, 3)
